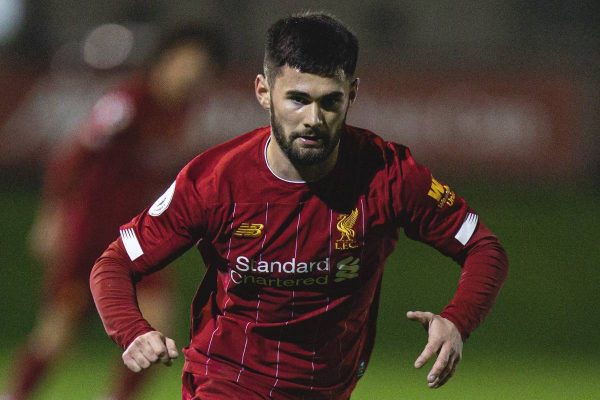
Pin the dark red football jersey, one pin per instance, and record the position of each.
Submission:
(289, 302)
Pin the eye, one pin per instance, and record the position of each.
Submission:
(299, 100)
(331, 103)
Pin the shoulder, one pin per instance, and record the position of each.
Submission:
(373, 149)
(232, 154)
(225, 162)
(384, 162)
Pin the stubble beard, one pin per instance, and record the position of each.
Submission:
(305, 156)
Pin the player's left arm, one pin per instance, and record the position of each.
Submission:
(431, 212)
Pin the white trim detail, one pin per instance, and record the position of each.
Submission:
(273, 172)
(467, 228)
(226, 294)
(162, 203)
(242, 368)
(131, 243)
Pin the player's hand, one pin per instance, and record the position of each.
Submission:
(149, 348)
(444, 340)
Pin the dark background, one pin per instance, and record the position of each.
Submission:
(499, 97)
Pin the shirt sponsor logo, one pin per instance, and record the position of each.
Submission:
(347, 269)
(258, 272)
(249, 230)
(441, 193)
(163, 202)
(292, 266)
(345, 226)
(291, 273)
(362, 367)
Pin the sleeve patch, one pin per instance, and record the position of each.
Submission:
(467, 228)
(131, 243)
(441, 193)
(163, 202)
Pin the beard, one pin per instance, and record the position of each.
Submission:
(305, 156)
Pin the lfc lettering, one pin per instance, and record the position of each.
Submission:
(345, 226)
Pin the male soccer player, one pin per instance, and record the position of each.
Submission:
(119, 160)
(294, 222)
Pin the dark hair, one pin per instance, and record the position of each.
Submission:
(206, 38)
(316, 43)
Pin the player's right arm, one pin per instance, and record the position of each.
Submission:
(146, 244)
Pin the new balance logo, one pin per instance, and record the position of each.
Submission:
(249, 230)
(347, 269)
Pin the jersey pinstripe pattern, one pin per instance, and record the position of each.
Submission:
(290, 312)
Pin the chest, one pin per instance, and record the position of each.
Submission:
(307, 243)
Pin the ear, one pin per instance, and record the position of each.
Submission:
(262, 91)
(354, 89)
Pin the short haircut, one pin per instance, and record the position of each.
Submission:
(311, 42)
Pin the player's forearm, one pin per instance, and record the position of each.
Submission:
(484, 271)
(112, 286)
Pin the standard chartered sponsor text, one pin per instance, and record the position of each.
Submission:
(258, 272)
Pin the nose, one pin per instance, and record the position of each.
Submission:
(314, 115)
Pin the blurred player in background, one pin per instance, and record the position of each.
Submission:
(126, 153)
(295, 222)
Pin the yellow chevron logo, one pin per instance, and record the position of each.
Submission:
(441, 193)
(249, 230)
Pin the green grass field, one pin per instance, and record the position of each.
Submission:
(482, 375)
(540, 342)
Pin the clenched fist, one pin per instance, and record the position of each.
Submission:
(149, 348)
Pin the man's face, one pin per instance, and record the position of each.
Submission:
(307, 113)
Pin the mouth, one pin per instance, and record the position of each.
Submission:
(310, 139)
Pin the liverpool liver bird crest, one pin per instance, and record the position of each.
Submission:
(346, 224)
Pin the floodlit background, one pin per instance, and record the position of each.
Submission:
(499, 97)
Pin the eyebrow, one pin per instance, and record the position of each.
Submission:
(292, 93)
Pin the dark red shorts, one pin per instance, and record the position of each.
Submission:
(198, 387)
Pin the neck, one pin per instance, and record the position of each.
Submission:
(284, 169)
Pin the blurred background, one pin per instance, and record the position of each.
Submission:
(499, 97)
